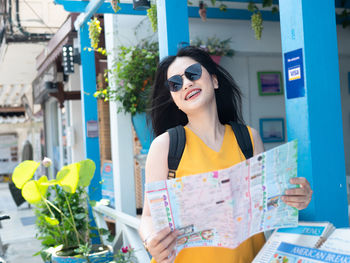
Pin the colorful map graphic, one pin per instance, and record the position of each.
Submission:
(223, 208)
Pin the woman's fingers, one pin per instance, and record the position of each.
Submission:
(169, 251)
(161, 245)
(297, 205)
(298, 197)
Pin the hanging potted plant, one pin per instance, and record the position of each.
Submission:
(141, 4)
(62, 214)
(133, 75)
(215, 47)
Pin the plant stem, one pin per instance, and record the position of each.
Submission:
(98, 229)
(64, 232)
(59, 211)
(71, 214)
(58, 226)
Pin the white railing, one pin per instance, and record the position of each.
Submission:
(126, 231)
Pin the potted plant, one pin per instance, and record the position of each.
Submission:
(133, 75)
(62, 214)
(215, 47)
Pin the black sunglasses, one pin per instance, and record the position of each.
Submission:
(193, 72)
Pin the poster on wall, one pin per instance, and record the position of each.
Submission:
(294, 74)
(8, 153)
(107, 182)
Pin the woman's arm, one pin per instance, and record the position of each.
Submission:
(296, 197)
(161, 245)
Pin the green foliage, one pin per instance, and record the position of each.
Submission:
(132, 75)
(24, 172)
(256, 18)
(215, 46)
(124, 255)
(152, 16)
(94, 32)
(257, 24)
(344, 16)
(62, 213)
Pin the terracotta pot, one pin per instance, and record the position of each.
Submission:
(216, 59)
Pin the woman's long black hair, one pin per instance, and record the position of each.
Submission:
(163, 111)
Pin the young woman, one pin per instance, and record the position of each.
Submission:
(192, 90)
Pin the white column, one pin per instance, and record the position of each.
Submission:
(121, 135)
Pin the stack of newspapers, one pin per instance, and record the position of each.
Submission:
(309, 242)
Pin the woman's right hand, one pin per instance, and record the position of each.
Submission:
(162, 245)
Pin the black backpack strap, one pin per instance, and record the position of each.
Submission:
(243, 138)
(176, 147)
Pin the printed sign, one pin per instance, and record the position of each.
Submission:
(107, 183)
(92, 129)
(294, 72)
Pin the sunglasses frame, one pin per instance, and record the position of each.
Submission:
(177, 81)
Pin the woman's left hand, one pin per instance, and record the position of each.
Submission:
(298, 197)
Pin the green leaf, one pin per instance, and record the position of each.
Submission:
(31, 192)
(80, 216)
(49, 241)
(68, 177)
(52, 221)
(223, 7)
(110, 238)
(24, 172)
(274, 10)
(92, 203)
(252, 7)
(104, 231)
(42, 185)
(86, 172)
(267, 3)
(213, 2)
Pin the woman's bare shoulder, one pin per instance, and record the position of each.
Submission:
(258, 144)
(157, 159)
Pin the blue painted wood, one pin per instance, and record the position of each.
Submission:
(172, 26)
(126, 9)
(212, 12)
(315, 119)
(89, 109)
(235, 14)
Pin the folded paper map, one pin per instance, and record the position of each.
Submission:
(225, 207)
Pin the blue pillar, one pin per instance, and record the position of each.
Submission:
(172, 25)
(313, 106)
(89, 110)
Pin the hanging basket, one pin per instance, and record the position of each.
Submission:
(141, 4)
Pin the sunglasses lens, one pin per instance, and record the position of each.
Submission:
(194, 72)
(175, 83)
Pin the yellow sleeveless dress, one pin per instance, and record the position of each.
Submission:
(199, 158)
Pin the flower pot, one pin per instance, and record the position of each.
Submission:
(216, 59)
(106, 255)
(143, 131)
(141, 4)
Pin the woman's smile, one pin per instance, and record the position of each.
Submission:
(192, 94)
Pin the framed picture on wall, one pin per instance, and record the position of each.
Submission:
(270, 83)
(272, 129)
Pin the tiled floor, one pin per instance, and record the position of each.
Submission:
(18, 233)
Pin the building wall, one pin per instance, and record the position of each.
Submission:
(75, 119)
(39, 16)
(253, 56)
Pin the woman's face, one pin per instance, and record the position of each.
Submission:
(196, 93)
